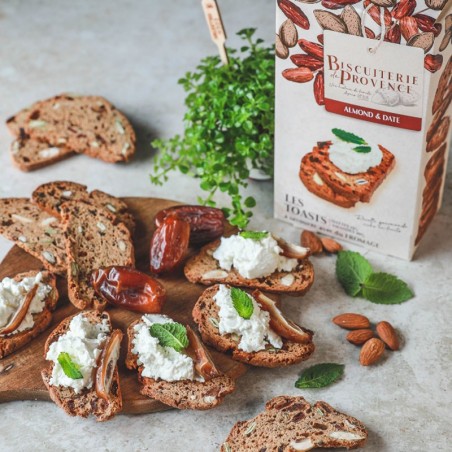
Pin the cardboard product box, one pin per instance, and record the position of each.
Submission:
(363, 118)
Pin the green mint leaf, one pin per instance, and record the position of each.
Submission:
(172, 335)
(254, 235)
(352, 270)
(70, 369)
(242, 303)
(362, 149)
(320, 375)
(384, 288)
(348, 137)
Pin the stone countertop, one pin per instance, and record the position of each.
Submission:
(132, 52)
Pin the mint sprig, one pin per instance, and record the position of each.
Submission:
(70, 368)
(358, 278)
(172, 335)
(242, 303)
(320, 375)
(362, 149)
(348, 137)
(254, 235)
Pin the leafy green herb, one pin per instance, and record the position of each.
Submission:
(320, 375)
(384, 288)
(70, 369)
(348, 137)
(242, 303)
(357, 277)
(362, 149)
(255, 235)
(170, 335)
(229, 125)
(352, 270)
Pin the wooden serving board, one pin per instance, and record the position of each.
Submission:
(20, 377)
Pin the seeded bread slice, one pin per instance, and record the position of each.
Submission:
(86, 124)
(93, 240)
(35, 231)
(184, 394)
(51, 195)
(30, 155)
(86, 402)
(203, 268)
(12, 342)
(292, 424)
(316, 185)
(361, 185)
(206, 315)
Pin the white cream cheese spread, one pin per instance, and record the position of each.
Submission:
(255, 332)
(158, 361)
(252, 258)
(350, 161)
(83, 342)
(13, 292)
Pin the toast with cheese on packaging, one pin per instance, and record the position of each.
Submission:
(266, 338)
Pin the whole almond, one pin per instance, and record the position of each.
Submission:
(288, 33)
(311, 240)
(384, 2)
(329, 21)
(351, 321)
(352, 20)
(447, 38)
(311, 48)
(388, 335)
(359, 337)
(319, 88)
(281, 49)
(422, 40)
(437, 5)
(298, 75)
(371, 352)
(330, 245)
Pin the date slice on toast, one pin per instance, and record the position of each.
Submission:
(93, 240)
(52, 195)
(293, 424)
(253, 259)
(35, 231)
(251, 327)
(173, 365)
(26, 304)
(83, 378)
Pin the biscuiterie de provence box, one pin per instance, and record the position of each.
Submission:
(362, 118)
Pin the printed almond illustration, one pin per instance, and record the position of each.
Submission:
(346, 170)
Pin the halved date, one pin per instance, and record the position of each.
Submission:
(128, 288)
(206, 223)
(169, 244)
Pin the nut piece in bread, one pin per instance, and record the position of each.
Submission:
(292, 424)
(182, 394)
(203, 268)
(12, 342)
(35, 231)
(87, 402)
(93, 240)
(206, 315)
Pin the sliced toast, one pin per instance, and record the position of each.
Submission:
(183, 394)
(51, 195)
(93, 240)
(12, 342)
(206, 315)
(316, 185)
(203, 268)
(85, 124)
(361, 185)
(30, 155)
(87, 402)
(35, 231)
(292, 424)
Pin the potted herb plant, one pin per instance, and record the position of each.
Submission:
(229, 125)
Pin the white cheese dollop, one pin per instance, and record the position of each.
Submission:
(83, 342)
(352, 162)
(252, 258)
(13, 292)
(255, 332)
(159, 361)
